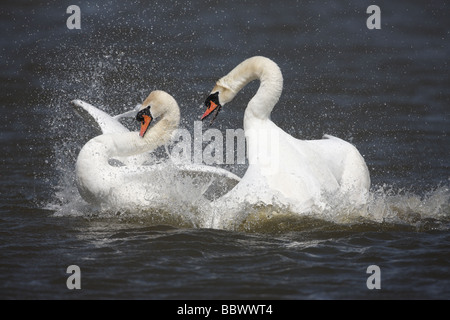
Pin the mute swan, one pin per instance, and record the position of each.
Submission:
(134, 185)
(299, 173)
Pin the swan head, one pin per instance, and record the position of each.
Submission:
(220, 95)
(157, 104)
(144, 116)
(212, 104)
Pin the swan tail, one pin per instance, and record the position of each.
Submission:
(329, 136)
(355, 179)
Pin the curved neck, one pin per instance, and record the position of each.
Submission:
(269, 91)
(100, 149)
(131, 143)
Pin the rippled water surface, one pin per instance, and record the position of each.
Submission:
(386, 91)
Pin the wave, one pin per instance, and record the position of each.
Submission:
(388, 208)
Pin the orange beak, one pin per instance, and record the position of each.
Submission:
(212, 103)
(212, 106)
(145, 123)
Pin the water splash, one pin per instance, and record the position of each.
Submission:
(185, 205)
(387, 208)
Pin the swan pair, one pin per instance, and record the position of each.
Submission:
(300, 174)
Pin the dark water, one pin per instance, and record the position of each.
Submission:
(386, 91)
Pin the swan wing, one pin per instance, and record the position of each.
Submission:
(220, 180)
(106, 124)
(190, 180)
(345, 161)
(304, 170)
(102, 121)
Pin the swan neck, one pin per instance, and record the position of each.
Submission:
(160, 134)
(269, 91)
(132, 144)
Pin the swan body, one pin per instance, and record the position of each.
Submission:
(131, 184)
(301, 174)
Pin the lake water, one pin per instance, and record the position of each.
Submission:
(385, 90)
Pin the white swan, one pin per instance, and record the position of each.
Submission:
(298, 173)
(136, 186)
